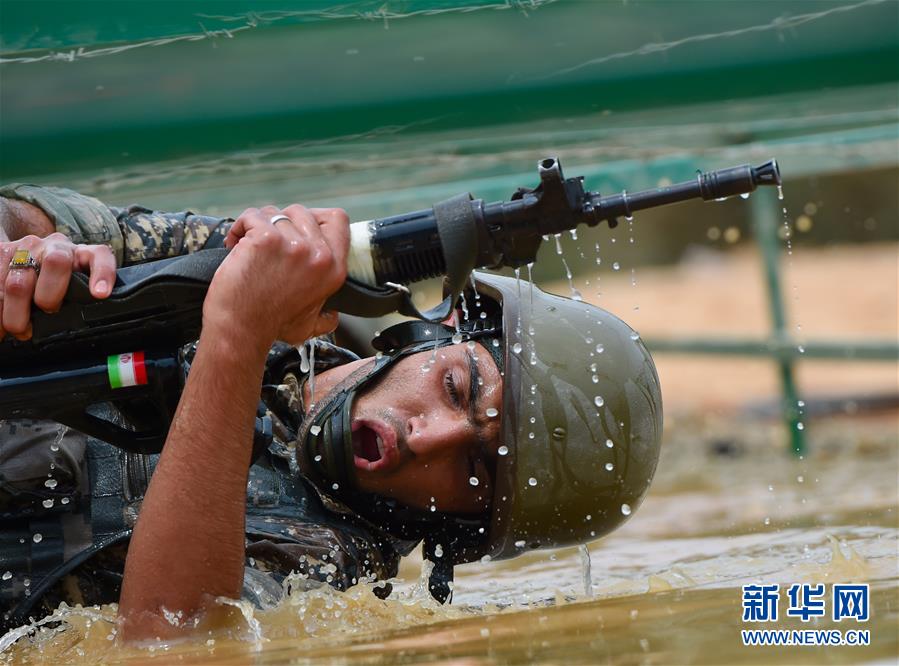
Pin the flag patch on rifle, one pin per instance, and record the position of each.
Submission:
(126, 370)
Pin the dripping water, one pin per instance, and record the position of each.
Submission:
(312, 373)
(531, 299)
(587, 569)
(518, 287)
(575, 294)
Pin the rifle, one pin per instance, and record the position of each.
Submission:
(124, 350)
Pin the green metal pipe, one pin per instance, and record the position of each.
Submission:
(765, 209)
(832, 350)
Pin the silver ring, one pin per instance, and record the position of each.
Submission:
(278, 218)
(22, 259)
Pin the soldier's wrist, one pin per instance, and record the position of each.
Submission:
(235, 340)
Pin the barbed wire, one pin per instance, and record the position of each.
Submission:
(252, 20)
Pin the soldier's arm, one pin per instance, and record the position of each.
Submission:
(19, 218)
(188, 543)
(135, 234)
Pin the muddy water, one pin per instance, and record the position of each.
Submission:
(665, 588)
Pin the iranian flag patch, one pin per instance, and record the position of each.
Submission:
(126, 370)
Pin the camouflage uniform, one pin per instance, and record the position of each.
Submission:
(82, 495)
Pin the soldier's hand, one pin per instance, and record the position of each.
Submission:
(277, 277)
(45, 286)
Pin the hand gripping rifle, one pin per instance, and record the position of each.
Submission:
(124, 350)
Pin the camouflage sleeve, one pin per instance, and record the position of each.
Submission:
(81, 218)
(150, 235)
(135, 234)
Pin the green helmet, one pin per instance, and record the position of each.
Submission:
(582, 421)
(581, 428)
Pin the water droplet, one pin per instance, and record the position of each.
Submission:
(483, 315)
(598, 401)
(54, 448)
(315, 430)
(48, 503)
(595, 379)
(473, 480)
(516, 348)
(438, 550)
(800, 478)
(64, 500)
(503, 450)
(609, 443)
(800, 426)
(520, 543)
(318, 458)
(629, 218)
(558, 244)
(767, 520)
(616, 266)
(745, 195)
(37, 538)
(486, 559)
(609, 467)
(780, 192)
(492, 412)
(7, 575)
(50, 483)
(626, 509)
(532, 481)
(495, 342)
(635, 336)
(457, 338)
(485, 633)
(335, 486)
(531, 435)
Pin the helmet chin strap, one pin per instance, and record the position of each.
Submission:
(326, 456)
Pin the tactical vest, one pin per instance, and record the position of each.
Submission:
(95, 503)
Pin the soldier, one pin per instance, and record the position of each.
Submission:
(480, 450)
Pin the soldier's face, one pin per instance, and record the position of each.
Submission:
(427, 434)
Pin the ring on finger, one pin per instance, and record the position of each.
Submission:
(279, 218)
(22, 259)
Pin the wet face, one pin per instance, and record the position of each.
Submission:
(421, 436)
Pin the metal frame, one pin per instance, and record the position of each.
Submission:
(779, 346)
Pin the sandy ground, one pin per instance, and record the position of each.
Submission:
(834, 293)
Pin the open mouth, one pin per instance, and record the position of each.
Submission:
(374, 446)
(368, 444)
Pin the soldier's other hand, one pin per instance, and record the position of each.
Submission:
(57, 257)
(276, 279)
